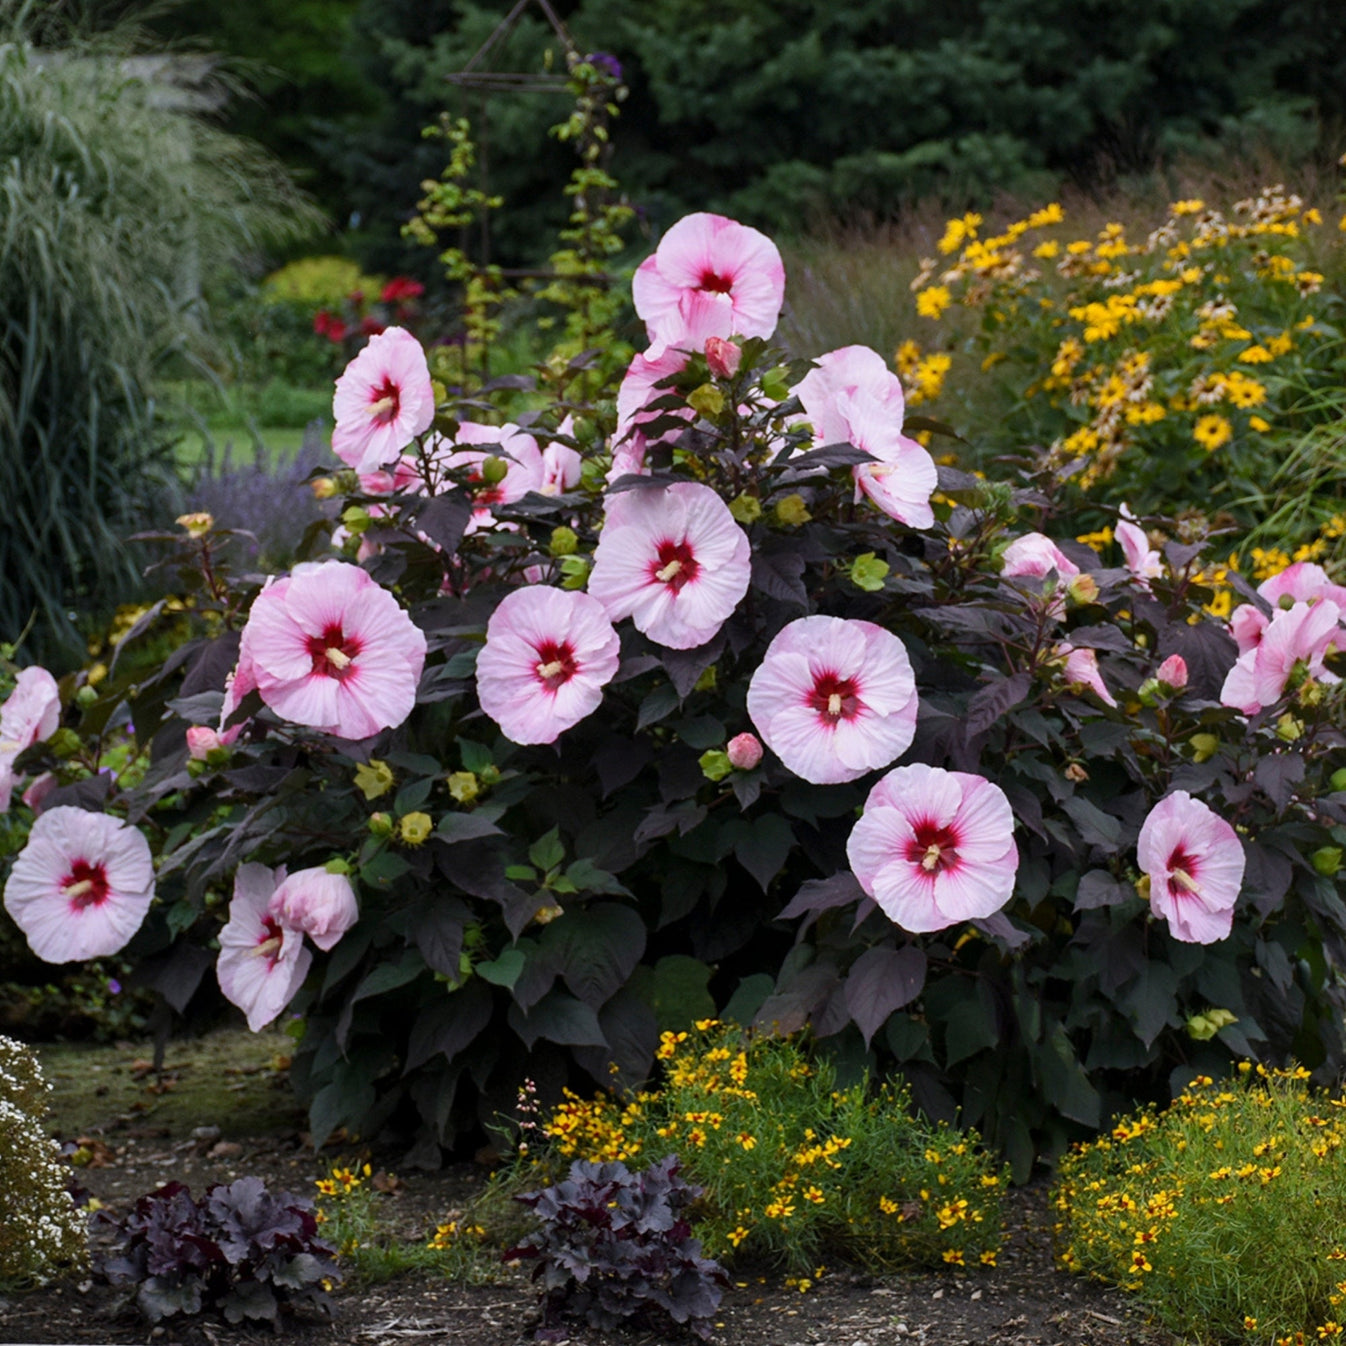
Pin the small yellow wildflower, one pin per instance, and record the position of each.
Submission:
(932, 302)
(415, 828)
(1212, 431)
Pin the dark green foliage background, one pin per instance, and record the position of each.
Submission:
(777, 112)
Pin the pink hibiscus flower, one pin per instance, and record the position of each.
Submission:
(549, 653)
(81, 886)
(561, 465)
(1302, 582)
(331, 649)
(710, 276)
(638, 389)
(263, 961)
(852, 397)
(673, 560)
(935, 847)
(317, 903)
(31, 712)
(1081, 670)
(382, 401)
(1141, 559)
(1195, 863)
(524, 467)
(1296, 640)
(834, 698)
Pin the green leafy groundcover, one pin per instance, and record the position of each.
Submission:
(542, 912)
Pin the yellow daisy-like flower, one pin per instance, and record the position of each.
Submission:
(931, 303)
(1212, 431)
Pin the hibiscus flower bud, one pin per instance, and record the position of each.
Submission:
(1289, 729)
(323, 488)
(792, 512)
(1327, 860)
(1173, 672)
(355, 518)
(380, 826)
(1082, 589)
(86, 696)
(201, 742)
(564, 541)
(64, 743)
(1338, 779)
(494, 470)
(196, 525)
(723, 357)
(744, 752)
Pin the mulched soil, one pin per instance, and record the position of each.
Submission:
(1025, 1301)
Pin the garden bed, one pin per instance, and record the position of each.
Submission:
(139, 1133)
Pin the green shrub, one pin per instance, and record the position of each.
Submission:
(795, 1169)
(1223, 1212)
(42, 1231)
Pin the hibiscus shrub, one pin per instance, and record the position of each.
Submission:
(582, 737)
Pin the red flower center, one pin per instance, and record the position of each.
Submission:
(86, 885)
(934, 848)
(385, 401)
(675, 565)
(556, 664)
(835, 698)
(334, 652)
(272, 937)
(716, 283)
(1182, 870)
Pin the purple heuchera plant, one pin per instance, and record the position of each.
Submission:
(238, 1249)
(615, 1246)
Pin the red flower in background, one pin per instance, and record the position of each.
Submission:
(401, 289)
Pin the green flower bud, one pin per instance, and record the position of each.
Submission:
(707, 401)
(791, 512)
(356, 518)
(746, 508)
(493, 470)
(1327, 860)
(336, 865)
(564, 541)
(373, 778)
(380, 825)
(1288, 729)
(1204, 747)
(868, 572)
(1338, 780)
(64, 743)
(85, 697)
(715, 764)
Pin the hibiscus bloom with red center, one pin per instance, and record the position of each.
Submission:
(673, 560)
(524, 467)
(263, 961)
(330, 649)
(710, 276)
(935, 847)
(1292, 646)
(549, 653)
(834, 698)
(81, 886)
(383, 400)
(1195, 862)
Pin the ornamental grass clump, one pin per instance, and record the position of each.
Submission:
(41, 1231)
(793, 1169)
(1224, 1212)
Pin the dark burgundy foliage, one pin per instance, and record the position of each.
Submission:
(238, 1250)
(615, 1247)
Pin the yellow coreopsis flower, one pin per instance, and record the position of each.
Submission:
(1212, 431)
(931, 303)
